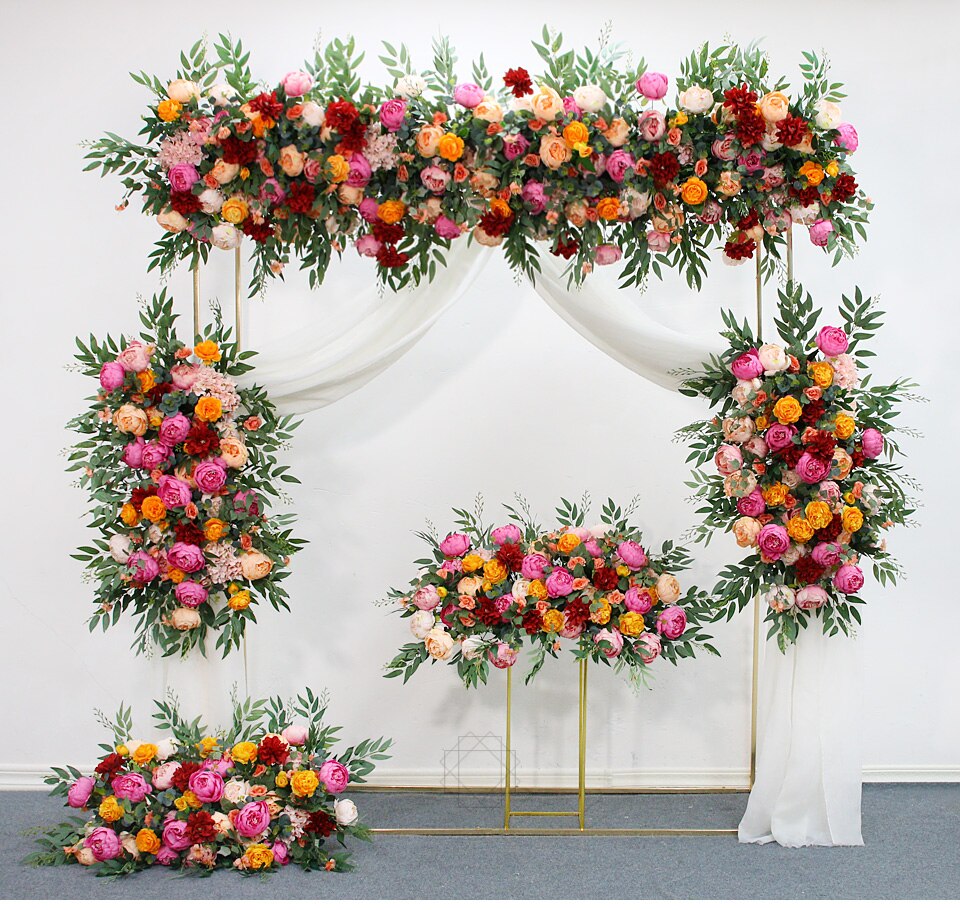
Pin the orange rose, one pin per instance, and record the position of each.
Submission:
(214, 529)
(450, 147)
(154, 509)
(568, 543)
(208, 409)
(608, 208)
(168, 110)
(337, 168)
(391, 211)
(129, 515)
(147, 841)
(575, 133)
(208, 351)
(694, 191)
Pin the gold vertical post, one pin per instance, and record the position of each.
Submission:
(755, 674)
(506, 760)
(582, 756)
(196, 298)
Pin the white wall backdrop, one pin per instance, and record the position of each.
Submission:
(464, 411)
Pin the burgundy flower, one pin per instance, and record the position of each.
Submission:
(831, 531)
(791, 130)
(234, 150)
(139, 494)
(739, 247)
(260, 233)
(300, 197)
(388, 233)
(511, 555)
(496, 223)
(321, 824)
(812, 413)
(184, 532)
(273, 750)
(181, 777)
(518, 81)
(750, 127)
(566, 248)
(267, 105)
(391, 258)
(808, 571)
(577, 612)
(111, 765)
(532, 622)
(200, 827)
(487, 612)
(844, 188)
(663, 167)
(605, 578)
(740, 99)
(185, 203)
(201, 440)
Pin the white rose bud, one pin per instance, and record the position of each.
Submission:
(589, 98)
(312, 114)
(774, 358)
(410, 86)
(696, 99)
(182, 90)
(120, 547)
(165, 748)
(211, 201)
(828, 115)
(421, 623)
(471, 647)
(221, 94)
(346, 812)
(225, 237)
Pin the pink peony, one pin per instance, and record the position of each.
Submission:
(813, 469)
(281, 855)
(247, 503)
(849, 579)
(175, 835)
(504, 656)
(183, 375)
(207, 786)
(360, 171)
(131, 786)
(454, 545)
(104, 844)
(747, 365)
(174, 493)
(506, 534)
(174, 429)
(773, 541)
(333, 776)
(186, 556)
(872, 443)
(658, 241)
(133, 453)
(80, 791)
(610, 641)
(515, 146)
(190, 593)
(533, 565)
(182, 177)
(847, 137)
(729, 459)
(145, 567)
(435, 179)
(752, 505)
(779, 436)
(653, 85)
(251, 821)
(163, 775)
(154, 454)
(827, 553)
(832, 341)
(649, 647)
(812, 597)
(671, 622)
(368, 209)
(426, 598)
(632, 554)
(392, 113)
(446, 228)
(652, 125)
(534, 196)
(210, 476)
(296, 734)
(467, 94)
(166, 855)
(112, 375)
(619, 163)
(297, 83)
(368, 245)
(638, 600)
(135, 358)
(607, 254)
(559, 583)
(820, 231)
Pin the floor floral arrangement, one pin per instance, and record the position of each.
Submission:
(484, 592)
(587, 157)
(805, 456)
(257, 796)
(181, 465)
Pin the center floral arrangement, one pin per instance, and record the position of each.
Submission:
(804, 451)
(263, 794)
(181, 466)
(587, 157)
(484, 592)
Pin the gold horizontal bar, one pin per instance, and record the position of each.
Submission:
(512, 813)
(559, 791)
(557, 832)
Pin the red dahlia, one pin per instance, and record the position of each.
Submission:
(605, 578)
(391, 258)
(532, 622)
(496, 223)
(185, 203)
(320, 824)
(857, 457)
(511, 555)
(791, 455)
(791, 130)
(807, 195)
(200, 827)
(487, 612)
(201, 439)
(184, 532)
(388, 233)
(267, 105)
(739, 99)
(812, 413)
(138, 495)
(751, 219)
(518, 81)
(663, 167)
(566, 248)
(159, 390)
(831, 531)
(260, 233)
(234, 150)
(844, 188)
(808, 570)
(751, 127)
(738, 249)
(577, 612)
(273, 750)
(821, 443)
(341, 116)
(111, 765)
(181, 777)
(300, 197)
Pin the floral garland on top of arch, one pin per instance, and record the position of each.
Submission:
(586, 157)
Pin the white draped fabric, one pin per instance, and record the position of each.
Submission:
(809, 770)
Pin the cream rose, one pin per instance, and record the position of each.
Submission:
(774, 107)
(120, 547)
(225, 237)
(696, 99)
(547, 104)
(312, 114)
(233, 452)
(221, 94)
(439, 643)
(668, 588)
(410, 86)
(291, 161)
(421, 623)
(254, 565)
(471, 647)
(130, 419)
(589, 98)
(485, 239)
(774, 358)
(183, 619)
(182, 90)
(346, 812)
(828, 115)
(172, 221)
(236, 790)
(211, 201)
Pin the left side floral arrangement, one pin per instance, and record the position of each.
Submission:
(264, 793)
(181, 466)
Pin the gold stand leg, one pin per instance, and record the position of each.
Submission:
(582, 771)
(506, 762)
(757, 624)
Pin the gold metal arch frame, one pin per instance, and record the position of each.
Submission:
(581, 791)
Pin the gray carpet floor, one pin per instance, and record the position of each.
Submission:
(912, 834)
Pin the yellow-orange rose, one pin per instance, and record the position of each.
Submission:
(775, 494)
(846, 426)
(694, 191)
(337, 168)
(214, 529)
(821, 373)
(129, 515)
(234, 210)
(304, 783)
(258, 856)
(575, 133)
(812, 172)
(244, 752)
(537, 589)
(774, 107)
(833, 168)
(153, 509)
(147, 380)
(240, 601)
(799, 529)
(391, 211)
(554, 151)
(631, 623)
(208, 351)
(110, 810)
(169, 110)
(852, 519)
(472, 562)
(608, 208)
(144, 753)
(207, 745)
(568, 543)
(601, 616)
(208, 409)
(450, 147)
(787, 409)
(147, 841)
(428, 139)
(494, 571)
(552, 621)
(131, 419)
(281, 780)
(819, 514)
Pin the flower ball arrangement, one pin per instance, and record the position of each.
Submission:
(264, 794)
(802, 449)
(485, 592)
(180, 462)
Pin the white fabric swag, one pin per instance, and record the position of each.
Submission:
(808, 767)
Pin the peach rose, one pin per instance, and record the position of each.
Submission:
(184, 618)
(255, 565)
(554, 151)
(617, 133)
(172, 221)
(576, 213)
(291, 161)
(428, 139)
(746, 530)
(488, 110)
(233, 452)
(223, 172)
(439, 643)
(774, 107)
(547, 104)
(131, 419)
(668, 588)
